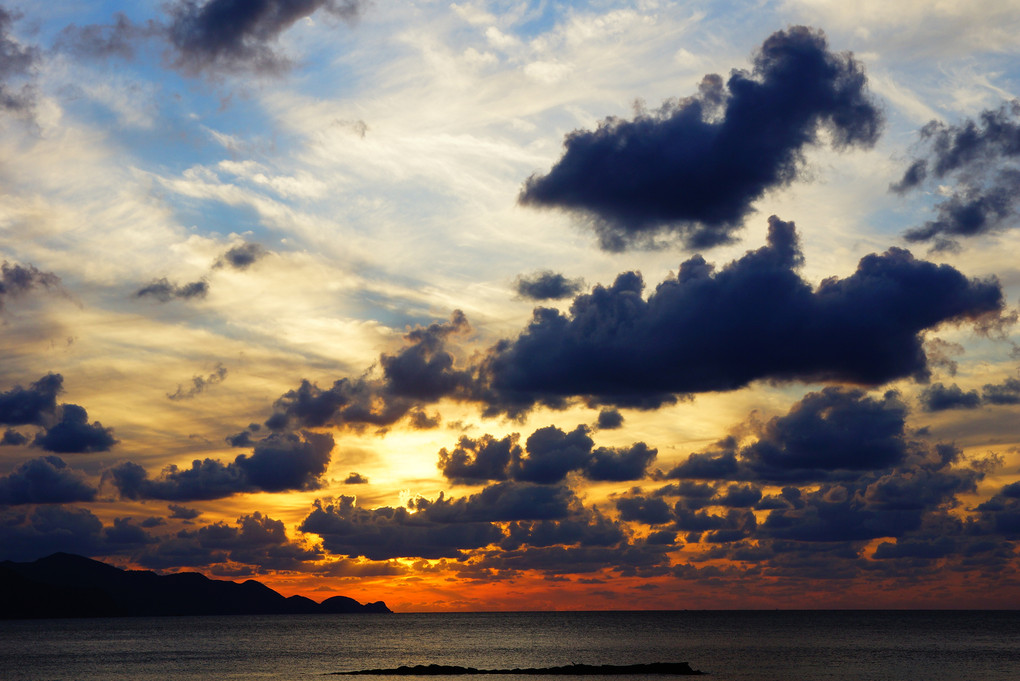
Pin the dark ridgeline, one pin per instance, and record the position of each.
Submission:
(652, 668)
(65, 585)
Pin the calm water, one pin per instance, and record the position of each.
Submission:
(731, 646)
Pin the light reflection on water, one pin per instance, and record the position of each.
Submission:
(731, 646)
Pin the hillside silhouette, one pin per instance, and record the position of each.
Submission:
(66, 585)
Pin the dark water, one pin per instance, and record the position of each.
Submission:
(731, 646)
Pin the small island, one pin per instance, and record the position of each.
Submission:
(654, 668)
(66, 585)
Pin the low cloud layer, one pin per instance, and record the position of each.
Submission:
(694, 168)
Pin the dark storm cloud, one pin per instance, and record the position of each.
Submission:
(355, 479)
(514, 516)
(257, 541)
(33, 405)
(16, 63)
(164, 291)
(694, 167)
(278, 463)
(548, 456)
(589, 528)
(552, 453)
(199, 384)
(547, 285)
(479, 460)
(183, 513)
(609, 419)
(755, 318)
(13, 438)
(16, 280)
(124, 533)
(66, 426)
(422, 372)
(644, 510)
(832, 434)
(73, 433)
(386, 532)
(626, 560)
(240, 35)
(242, 256)
(938, 397)
(619, 464)
(48, 529)
(287, 461)
(1007, 392)
(979, 160)
(46, 480)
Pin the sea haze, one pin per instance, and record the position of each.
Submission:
(731, 646)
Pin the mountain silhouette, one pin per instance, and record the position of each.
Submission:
(66, 585)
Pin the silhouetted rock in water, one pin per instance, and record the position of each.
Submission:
(65, 585)
(658, 668)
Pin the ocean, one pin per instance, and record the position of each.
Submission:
(730, 646)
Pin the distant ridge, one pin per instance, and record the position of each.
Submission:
(655, 668)
(66, 585)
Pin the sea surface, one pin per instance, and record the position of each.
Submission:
(730, 646)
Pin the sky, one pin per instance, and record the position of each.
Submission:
(495, 305)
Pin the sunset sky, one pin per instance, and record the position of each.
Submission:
(493, 305)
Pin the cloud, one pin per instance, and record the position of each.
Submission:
(13, 438)
(257, 541)
(831, 434)
(183, 512)
(73, 433)
(1007, 392)
(16, 280)
(242, 256)
(754, 319)
(279, 462)
(49, 529)
(548, 456)
(118, 39)
(938, 397)
(552, 453)
(124, 533)
(423, 372)
(479, 460)
(980, 159)
(22, 406)
(45, 480)
(386, 532)
(230, 36)
(16, 62)
(536, 515)
(66, 427)
(547, 285)
(355, 479)
(199, 384)
(693, 168)
(609, 419)
(163, 291)
(619, 464)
